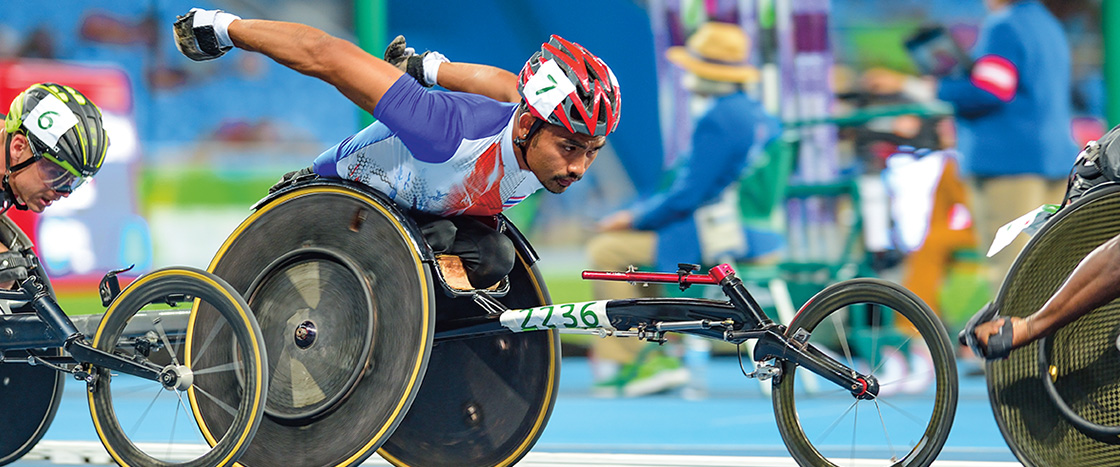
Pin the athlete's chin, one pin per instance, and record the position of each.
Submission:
(34, 204)
(560, 184)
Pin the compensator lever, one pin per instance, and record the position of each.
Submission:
(110, 287)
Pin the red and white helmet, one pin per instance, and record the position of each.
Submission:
(566, 85)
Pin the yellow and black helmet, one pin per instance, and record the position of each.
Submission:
(63, 126)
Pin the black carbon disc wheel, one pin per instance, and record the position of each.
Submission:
(878, 328)
(1084, 397)
(1079, 362)
(218, 368)
(335, 278)
(489, 398)
(29, 397)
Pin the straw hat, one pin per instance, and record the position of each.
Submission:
(716, 51)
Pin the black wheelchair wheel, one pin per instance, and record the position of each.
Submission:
(346, 307)
(487, 399)
(29, 395)
(1057, 400)
(1080, 392)
(880, 328)
(219, 356)
(29, 398)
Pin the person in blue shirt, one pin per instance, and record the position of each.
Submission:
(1013, 114)
(696, 219)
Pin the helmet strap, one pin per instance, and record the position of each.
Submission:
(523, 142)
(8, 195)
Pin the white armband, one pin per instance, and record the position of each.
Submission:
(431, 63)
(219, 20)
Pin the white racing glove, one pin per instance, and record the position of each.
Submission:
(203, 34)
(423, 68)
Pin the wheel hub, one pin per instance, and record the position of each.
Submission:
(305, 334)
(176, 378)
(315, 310)
(866, 388)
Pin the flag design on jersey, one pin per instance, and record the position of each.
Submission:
(480, 193)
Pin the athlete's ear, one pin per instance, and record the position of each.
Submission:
(524, 124)
(19, 143)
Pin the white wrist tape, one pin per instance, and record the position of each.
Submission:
(219, 20)
(431, 63)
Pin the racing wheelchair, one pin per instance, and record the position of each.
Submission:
(136, 355)
(1057, 400)
(373, 348)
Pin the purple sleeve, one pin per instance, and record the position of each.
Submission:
(432, 124)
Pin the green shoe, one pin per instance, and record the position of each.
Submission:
(609, 388)
(656, 374)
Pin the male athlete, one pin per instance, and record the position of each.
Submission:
(447, 155)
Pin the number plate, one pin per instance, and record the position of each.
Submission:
(583, 315)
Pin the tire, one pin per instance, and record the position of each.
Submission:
(490, 397)
(864, 327)
(335, 259)
(223, 350)
(1085, 395)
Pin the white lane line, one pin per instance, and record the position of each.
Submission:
(92, 453)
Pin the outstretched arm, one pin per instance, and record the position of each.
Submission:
(1093, 283)
(361, 77)
(486, 80)
(431, 68)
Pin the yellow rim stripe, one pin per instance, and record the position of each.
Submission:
(397, 412)
(190, 392)
(539, 424)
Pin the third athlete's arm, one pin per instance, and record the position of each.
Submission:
(1094, 282)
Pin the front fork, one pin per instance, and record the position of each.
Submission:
(59, 327)
(796, 350)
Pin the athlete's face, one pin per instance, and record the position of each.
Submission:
(31, 185)
(559, 158)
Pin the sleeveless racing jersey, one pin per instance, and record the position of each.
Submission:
(443, 153)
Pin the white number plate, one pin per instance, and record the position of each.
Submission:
(583, 315)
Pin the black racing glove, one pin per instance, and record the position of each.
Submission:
(13, 266)
(999, 344)
(400, 55)
(293, 177)
(203, 34)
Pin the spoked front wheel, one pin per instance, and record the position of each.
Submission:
(880, 329)
(220, 364)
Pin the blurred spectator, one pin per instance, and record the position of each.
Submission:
(933, 226)
(38, 44)
(1013, 115)
(107, 28)
(696, 219)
